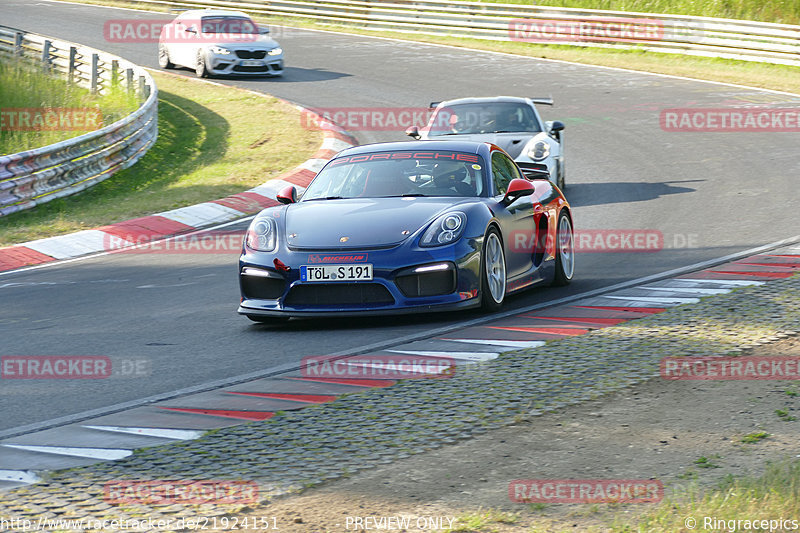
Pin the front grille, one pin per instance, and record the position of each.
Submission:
(339, 294)
(427, 283)
(240, 68)
(251, 54)
(261, 288)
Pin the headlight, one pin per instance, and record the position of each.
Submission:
(218, 50)
(446, 229)
(275, 51)
(262, 235)
(540, 150)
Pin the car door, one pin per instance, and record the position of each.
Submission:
(188, 39)
(517, 219)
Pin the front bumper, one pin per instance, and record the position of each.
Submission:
(230, 64)
(547, 168)
(397, 285)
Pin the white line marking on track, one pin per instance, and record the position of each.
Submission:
(106, 454)
(655, 300)
(65, 246)
(492, 342)
(177, 434)
(723, 282)
(164, 286)
(698, 290)
(467, 356)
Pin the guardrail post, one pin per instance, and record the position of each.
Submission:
(144, 89)
(95, 73)
(129, 79)
(114, 73)
(18, 37)
(47, 63)
(73, 58)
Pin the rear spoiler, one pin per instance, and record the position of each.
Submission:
(542, 100)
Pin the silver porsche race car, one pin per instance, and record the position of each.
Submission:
(512, 123)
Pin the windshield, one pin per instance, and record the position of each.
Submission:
(387, 174)
(494, 117)
(229, 25)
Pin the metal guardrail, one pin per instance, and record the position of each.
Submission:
(704, 36)
(42, 174)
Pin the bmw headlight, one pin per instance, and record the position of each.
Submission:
(540, 150)
(275, 51)
(220, 51)
(262, 235)
(446, 229)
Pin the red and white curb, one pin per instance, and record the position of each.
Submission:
(189, 416)
(177, 221)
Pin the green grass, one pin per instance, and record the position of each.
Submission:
(773, 495)
(754, 438)
(213, 141)
(779, 11)
(482, 521)
(705, 462)
(782, 11)
(25, 85)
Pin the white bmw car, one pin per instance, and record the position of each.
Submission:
(219, 42)
(512, 123)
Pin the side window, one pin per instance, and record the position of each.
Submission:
(503, 171)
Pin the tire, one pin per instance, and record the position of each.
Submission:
(269, 320)
(200, 68)
(565, 251)
(562, 176)
(163, 57)
(493, 271)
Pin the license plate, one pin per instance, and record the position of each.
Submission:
(252, 63)
(327, 273)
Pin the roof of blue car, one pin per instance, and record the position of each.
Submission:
(472, 147)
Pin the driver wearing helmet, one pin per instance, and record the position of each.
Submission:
(450, 175)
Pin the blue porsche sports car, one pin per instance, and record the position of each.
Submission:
(406, 227)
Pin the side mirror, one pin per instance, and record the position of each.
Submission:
(557, 126)
(287, 195)
(413, 131)
(263, 30)
(517, 189)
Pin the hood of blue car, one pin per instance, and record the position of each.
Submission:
(360, 222)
